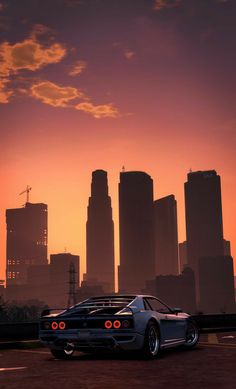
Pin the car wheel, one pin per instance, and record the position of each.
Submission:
(192, 335)
(151, 347)
(62, 354)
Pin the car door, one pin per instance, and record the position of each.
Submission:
(173, 327)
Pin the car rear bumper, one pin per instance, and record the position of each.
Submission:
(85, 340)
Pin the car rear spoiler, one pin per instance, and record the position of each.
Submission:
(47, 311)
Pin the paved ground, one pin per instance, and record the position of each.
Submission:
(212, 364)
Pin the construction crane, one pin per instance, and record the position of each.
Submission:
(27, 190)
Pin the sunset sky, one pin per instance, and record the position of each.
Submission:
(101, 84)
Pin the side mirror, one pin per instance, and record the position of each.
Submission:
(176, 310)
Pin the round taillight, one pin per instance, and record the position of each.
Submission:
(54, 325)
(116, 324)
(108, 324)
(62, 325)
(125, 323)
(47, 325)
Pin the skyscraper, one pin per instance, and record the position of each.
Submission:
(204, 227)
(216, 284)
(100, 234)
(26, 241)
(166, 236)
(60, 265)
(137, 259)
(183, 259)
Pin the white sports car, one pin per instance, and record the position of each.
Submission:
(117, 322)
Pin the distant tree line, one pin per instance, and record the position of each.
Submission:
(14, 312)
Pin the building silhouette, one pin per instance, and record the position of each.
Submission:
(176, 291)
(60, 268)
(216, 284)
(26, 241)
(166, 236)
(204, 227)
(100, 234)
(183, 259)
(136, 223)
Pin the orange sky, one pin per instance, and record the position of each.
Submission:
(90, 85)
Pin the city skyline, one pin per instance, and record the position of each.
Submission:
(98, 84)
(101, 191)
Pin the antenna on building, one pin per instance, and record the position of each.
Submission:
(190, 170)
(27, 190)
(123, 169)
(72, 283)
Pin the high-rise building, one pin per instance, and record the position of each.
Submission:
(60, 265)
(136, 219)
(26, 241)
(183, 259)
(166, 236)
(100, 234)
(204, 227)
(176, 291)
(216, 284)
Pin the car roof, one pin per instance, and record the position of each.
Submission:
(121, 295)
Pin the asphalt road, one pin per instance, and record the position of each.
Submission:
(212, 364)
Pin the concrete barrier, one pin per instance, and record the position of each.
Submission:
(216, 323)
(19, 331)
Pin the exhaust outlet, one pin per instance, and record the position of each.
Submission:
(69, 347)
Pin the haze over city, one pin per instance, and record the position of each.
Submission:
(85, 85)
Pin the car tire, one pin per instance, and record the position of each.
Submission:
(151, 347)
(192, 335)
(62, 354)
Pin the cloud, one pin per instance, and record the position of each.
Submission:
(78, 68)
(31, 55)
(4, 93)
(159, 5)
(28, 55)
(39, 30)
(129, 54)
(98, 111)
(61, 96)
(55, 95)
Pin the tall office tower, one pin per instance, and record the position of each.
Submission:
(137, 256)
(183, 259)
(100, 234)
(204, 227)
(60, 265)
(166, 236)
(26, 241)
(216, 284)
